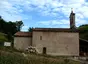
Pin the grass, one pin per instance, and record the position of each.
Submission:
(3, 37)
(11, 56)
(9, 49)
(44, 59)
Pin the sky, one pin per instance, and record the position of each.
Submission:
(44, 13)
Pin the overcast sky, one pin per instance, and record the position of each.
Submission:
(44, 13)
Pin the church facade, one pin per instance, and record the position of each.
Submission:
(52, 41)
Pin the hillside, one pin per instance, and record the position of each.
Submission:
(13, 57)
(3, 37)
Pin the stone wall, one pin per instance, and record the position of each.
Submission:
(21, 43)
(56, 43)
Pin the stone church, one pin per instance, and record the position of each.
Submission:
(52, 41)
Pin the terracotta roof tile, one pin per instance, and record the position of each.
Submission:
(55, 29)
(23, 34)
(29, 34)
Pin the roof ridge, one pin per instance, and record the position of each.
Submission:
(25, 34)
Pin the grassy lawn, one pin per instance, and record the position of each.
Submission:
(7, 57)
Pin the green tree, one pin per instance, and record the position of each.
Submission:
(83, 31)
(2, 24)
(30, 29)
(10, 28)
(19, 25)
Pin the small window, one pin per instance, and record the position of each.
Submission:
(40, 37)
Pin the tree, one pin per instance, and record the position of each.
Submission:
(30, 29)
(83, 31)
(0, 17)
(10, 28)
(2, 24)
(19, 25)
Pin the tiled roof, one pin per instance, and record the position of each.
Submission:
(55, 29)
(23, 34)
(29, 34)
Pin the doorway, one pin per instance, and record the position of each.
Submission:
(44, 50)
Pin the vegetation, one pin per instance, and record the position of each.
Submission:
(11, 58)
(3, 37)
(9, 28)
(83, 31)
(7, 57)
(10, 55)
(19, 25)
(30, 29)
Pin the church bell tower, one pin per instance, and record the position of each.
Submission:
(72, 20)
